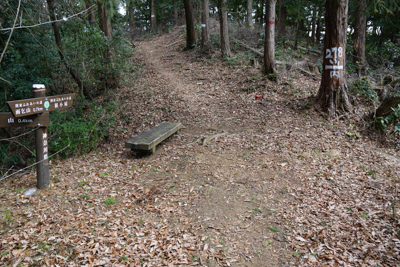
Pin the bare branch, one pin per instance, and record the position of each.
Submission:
(47, 22)
(4, 80)
(12, 29)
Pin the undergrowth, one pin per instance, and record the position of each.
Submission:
(81, 128)
(72, 132)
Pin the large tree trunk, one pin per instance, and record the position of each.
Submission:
(269, 45)
(190, 33)
(57, 36)
(282, 19)
(333, 94)
(250, 14)
(205, 34)
(360, 29)
(223, 20)
(153, 11)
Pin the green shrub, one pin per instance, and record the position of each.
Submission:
(362, 88)
(382, 123)
(8, 158)
(388, 55)
(81, 128)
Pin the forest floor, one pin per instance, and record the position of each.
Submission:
(245, 182)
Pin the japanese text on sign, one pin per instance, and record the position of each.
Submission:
(45, 147)
(21, 108)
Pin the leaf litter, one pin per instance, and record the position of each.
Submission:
(248, 181)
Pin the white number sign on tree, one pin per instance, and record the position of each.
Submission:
(333, 95)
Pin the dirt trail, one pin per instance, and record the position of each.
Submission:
(281, 184)
(246, 182)
(237, 199)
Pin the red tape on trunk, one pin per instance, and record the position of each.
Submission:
(271, 22)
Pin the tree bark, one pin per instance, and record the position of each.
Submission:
(333, 93)
(223, 20)
(153, 11)
(57, 36)
(269, 44)
(190, 32)
(205, 34)
(360, 29)
(282, 19)
(250, 14)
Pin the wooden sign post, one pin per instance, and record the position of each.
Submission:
(41, 145)
(34, 112)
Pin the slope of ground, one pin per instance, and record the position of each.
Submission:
(246, 182)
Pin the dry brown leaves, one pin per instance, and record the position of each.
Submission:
(279, 185)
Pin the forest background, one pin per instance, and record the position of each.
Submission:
(86, 47)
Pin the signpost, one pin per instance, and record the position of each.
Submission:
(8, 120)
(25, 107)
(34, 112)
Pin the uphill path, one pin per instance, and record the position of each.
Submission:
(246, 182)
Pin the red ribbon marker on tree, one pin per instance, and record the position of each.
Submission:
(271, 22)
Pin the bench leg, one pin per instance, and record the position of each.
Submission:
(151, 151)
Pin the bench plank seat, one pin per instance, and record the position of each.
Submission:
(148, 140)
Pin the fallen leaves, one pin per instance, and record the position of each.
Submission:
(272, 182)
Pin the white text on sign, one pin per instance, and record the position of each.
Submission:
(334, 55)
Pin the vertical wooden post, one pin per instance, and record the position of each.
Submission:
(39, 90)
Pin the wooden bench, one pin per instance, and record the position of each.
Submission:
(148, 140)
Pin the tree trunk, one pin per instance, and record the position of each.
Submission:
(333, 94)
(282, 19)
(223, 20)
(360, 29)
(153, 11)
(91, 18)
(318, 31)
(131, 15)
(104, 20)
(57, 36)
(269, 45)
(175, 12)
(250, 14)
(190, 33)
(296, 42)
(109, 26)
(205, 34)
(314, 21)
(262, 11)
